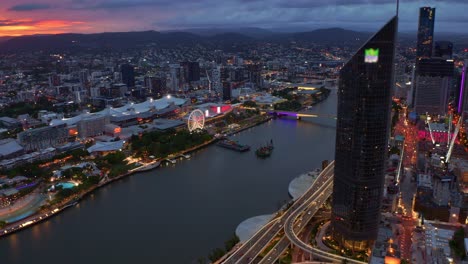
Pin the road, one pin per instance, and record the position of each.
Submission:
(254, 246)
(290, 229)
(407, 185)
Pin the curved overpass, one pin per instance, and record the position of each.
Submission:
(317, 198)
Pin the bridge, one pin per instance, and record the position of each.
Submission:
(300, 114)
(286, 227)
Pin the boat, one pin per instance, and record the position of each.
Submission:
(229, 144)
(149, 166)
(265, 151)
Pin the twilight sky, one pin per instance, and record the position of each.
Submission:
(24, 17)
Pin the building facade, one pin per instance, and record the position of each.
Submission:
(128, 75)
(44, 137)
(425, 32)
(433, 82)
(363, 121)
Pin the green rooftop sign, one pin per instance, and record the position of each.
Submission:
(371, 55)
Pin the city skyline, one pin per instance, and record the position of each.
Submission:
(26, 17)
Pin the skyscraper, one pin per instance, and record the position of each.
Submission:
(364, 107)
(463, 94)
(433, 81)
(425, 32)
(226, 91)
(191, 70)
(128, 75)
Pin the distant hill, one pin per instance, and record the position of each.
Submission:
(228, 39)
(115, 40)
(331, 35)
(3, 39)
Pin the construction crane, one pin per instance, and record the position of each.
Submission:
(455, 133)
(449, 128)
(428, 121)
(209, 80)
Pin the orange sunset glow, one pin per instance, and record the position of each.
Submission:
(30, 27)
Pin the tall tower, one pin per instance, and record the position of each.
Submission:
(425, 32)
(364, 102)
(128, 75)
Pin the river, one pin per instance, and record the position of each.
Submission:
(178, 213)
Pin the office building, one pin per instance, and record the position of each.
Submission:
(155, 85)
(255, 75)
(128, 75)
(425, 32)
(191, 71)
(216, 83)
(442, 189)
(176, 81)
(226, 91)
(463, 94)
(433, 81)
(92, 125)
(363, 123)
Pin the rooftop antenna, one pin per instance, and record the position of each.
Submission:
(397, 7)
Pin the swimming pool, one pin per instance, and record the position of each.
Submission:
(66, 185)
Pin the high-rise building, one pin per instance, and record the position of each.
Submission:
(191, 71)
(156, 85)
(54, 80)
(128, 75)
(176, 77)
(363, 122)
(216, 83)
(443, 49)
(433, 81)
(425, 32)
(255, 75)
(463, 92)
(226, 91)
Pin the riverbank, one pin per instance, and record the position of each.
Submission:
(71, 201)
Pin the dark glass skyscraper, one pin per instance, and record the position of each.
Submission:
(425, 32)
(128, 74)
(364, 101)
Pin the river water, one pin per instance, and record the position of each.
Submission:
(178, 213)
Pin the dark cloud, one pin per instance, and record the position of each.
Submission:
(8, 22)
(29, 7)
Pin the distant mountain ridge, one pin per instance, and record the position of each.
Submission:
(215, 38)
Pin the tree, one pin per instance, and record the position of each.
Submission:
(457, 243)
(2, 224)
(216, 254)
(229, 244)
(249, 104)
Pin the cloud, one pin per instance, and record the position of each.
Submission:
(133, 15)
(119, 4)
(29, 7)
(9, 22)
(11, 27)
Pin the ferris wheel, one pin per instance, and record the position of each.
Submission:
(196, 120)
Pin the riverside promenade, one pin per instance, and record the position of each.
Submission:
(53, 210)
